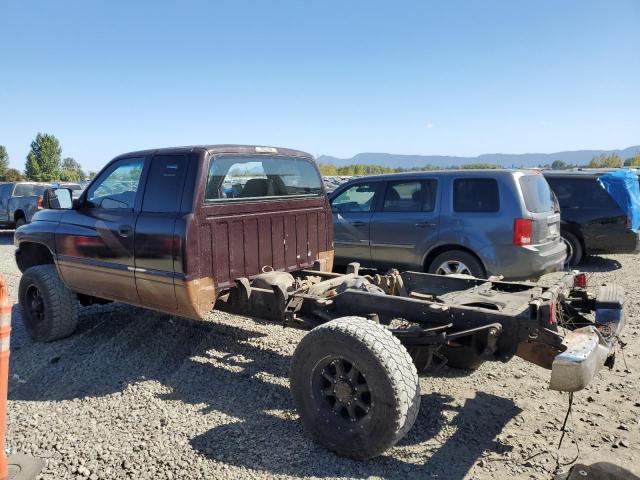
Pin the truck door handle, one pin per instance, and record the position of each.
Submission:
(358, 223)
(124, 230)
(425, 224)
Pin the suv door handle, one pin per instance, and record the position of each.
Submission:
(358, 223)
(124, 230)
(425, 224)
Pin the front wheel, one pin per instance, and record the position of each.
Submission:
(355, 387)
(49, 308)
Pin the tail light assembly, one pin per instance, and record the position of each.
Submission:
(580, 280)
(522, 231)
(40, 202)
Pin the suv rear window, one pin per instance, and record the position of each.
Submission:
(476, 195)
(244, 177)
(537, 194)
(28, 190)
(580, 192)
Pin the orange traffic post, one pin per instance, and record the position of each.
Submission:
(5, 334)
(17, 467)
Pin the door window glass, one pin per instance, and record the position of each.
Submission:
(403, 197)
(163, 191)
(476, 195)
(430, 188)
(117, 187)
(356, 198)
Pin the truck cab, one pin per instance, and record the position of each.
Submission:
(170, 229)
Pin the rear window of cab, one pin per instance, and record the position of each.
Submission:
(239, 177)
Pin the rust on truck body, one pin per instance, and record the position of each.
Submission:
(179, 262)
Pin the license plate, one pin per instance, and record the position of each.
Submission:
(553, 229)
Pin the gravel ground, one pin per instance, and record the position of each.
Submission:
(138, 394)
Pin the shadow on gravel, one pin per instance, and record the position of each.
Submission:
(6, 237)
(599, 264)
(277, 445)
(222, 368)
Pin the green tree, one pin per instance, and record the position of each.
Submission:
(558, 165)
(43, 161)
(13, 175)
(328, 169)
(606, 161)
(4, 162)
(71, 169)
(633, 161)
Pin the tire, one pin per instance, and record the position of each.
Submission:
(575, 252)
(464, 357)
(49, 308)
(471, 264)
(20, 222)
(352, 359)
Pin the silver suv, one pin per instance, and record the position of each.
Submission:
(477, 222)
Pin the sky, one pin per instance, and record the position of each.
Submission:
(328, 77)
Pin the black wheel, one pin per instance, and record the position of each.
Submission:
(574, 250)
(49, 308)
(459, 262)
(465, 355)
(20, 222)
(355, 387)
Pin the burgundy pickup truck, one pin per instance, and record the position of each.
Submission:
(248, 229)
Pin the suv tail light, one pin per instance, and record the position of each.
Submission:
(522, 229)
(40, 204)
(580, 280)
(629, 222)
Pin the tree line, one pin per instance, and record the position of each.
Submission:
(44, 163)
(601, 161)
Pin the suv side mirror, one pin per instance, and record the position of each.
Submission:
(57, 198)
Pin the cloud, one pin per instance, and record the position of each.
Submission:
(429, 125)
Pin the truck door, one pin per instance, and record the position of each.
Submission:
(5, 195)
(95, 242)
(155, 243)
(406, 225)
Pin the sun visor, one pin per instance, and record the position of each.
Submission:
(623, 187)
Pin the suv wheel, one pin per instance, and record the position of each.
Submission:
(49, 308)
(574, 250)
(458, 262)
(20, 222)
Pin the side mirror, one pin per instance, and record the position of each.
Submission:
(57, 198)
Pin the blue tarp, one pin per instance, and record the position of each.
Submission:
(623, 187)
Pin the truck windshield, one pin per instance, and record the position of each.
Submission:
(244, 177)
(537, 194)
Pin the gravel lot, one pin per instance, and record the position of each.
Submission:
(138, 394)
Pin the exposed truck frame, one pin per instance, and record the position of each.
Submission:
(565, 328)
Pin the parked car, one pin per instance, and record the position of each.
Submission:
(476, 222)
(592, 221)
(76, 188)
(169, 230)
(19, 201)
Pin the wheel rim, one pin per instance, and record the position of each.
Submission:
(34, 303)
(568, 262)
(453, 266)
(343, 390)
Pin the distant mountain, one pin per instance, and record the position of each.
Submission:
(577, 157)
